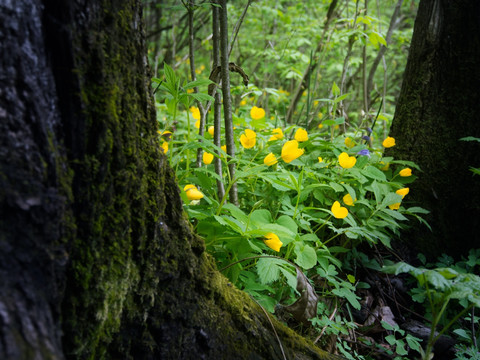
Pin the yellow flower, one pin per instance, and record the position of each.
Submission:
(320, 115)
(301, 135)
(207, 158)
(347, 200)
(395, 206)
(338, 211)
(320, 126)
(195, 112)
(389, 142)
(405, 172)
(243, 102)
(197, 124)
(277, 134)
(165, 147)
(273, 242)
(270, 159)
(403, 192)
(385, 166)
(349, 142)
(192, 192)
(320, 159)
(346, 161)
(257, 113)
(248, 139)
(211, 130)
(189, 91)
(290, 151)
(224, 148)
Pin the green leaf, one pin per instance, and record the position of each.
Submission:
(349, 295)
(236, 213)
(268, 269)
(374, 173)
(336, 187)
(260, 217)
(394, 214)
(470, 138)
(196, 83)
(170, 76)
(201, 97)
(335, 89)
(306, 256)
(287, 222)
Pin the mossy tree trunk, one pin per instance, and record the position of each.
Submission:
(439, 104)
(97, 260)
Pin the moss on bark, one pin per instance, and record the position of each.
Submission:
(139, 284)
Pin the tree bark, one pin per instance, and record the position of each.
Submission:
(97, 259)
(437, 106)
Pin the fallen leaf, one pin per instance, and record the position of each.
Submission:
(305, 307)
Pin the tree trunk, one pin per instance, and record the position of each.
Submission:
(97, 260)
(438, 105)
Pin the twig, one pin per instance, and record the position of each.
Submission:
(273, 327)
(236, 29)
(324, 328)
(311, 65)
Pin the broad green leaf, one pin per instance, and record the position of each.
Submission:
(201, 97)
(236, 212)
(306, 256)
(349, 295)
(268, 269)
(260, 217)
(287, 222)
(336, 187)
(394, 214)
(170, 76)
(374, 173)
(196, 83)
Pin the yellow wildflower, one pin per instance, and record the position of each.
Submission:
(189, 91)
(388, 142)
(224, 148)
(257, 113)
(192, 192)
(207, 158)
(248, 139)
(243, 102)
(195, 112)
(270, 159)
(277, 134)
(301, 135)
(349, 142)
(395, 206)
(338, 211)
(320, 126)
(290, 151)
(403, 192)
(405, 172)
(211, 130)
(197, 124)
(347, 200)
(346, 161)
(320, 159)
(273, 242)
(165, 147)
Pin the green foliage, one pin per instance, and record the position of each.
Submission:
(318, 207)
(439, 285)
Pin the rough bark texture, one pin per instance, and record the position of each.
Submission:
(97, 260)
(438, 105)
